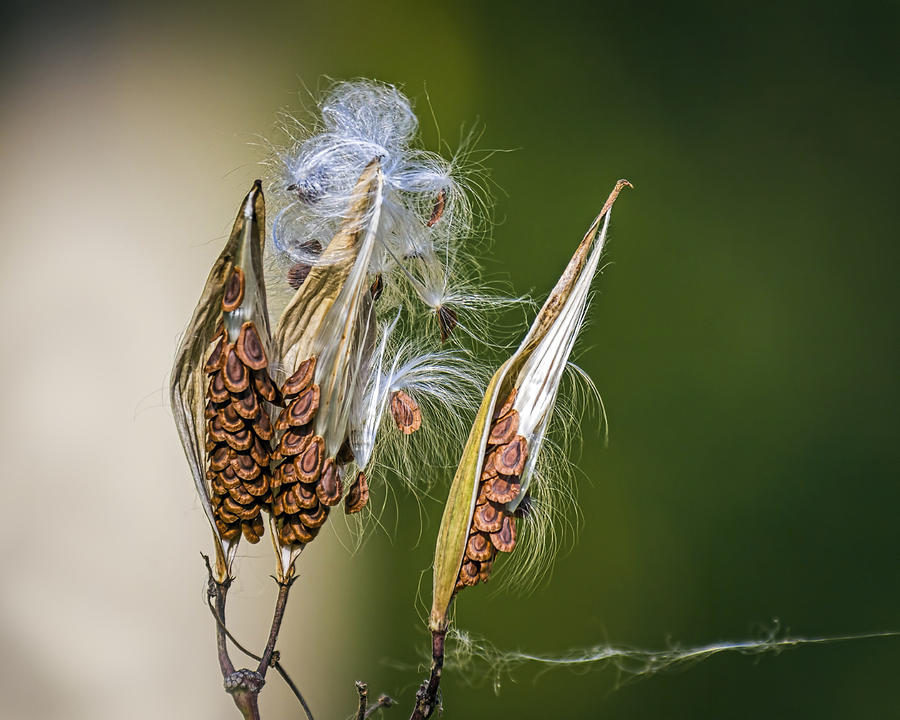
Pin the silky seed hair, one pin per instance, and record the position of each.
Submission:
(432, 216)
(424, 285)
(413, 298)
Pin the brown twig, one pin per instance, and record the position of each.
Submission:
(363, 691)
(284, 588)
(232, 677)
(427, 694)
(216, 592)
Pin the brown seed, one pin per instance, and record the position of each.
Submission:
(487, 518)
(278, 505)
(485, 573)
(235, 373)
(479, 547)
(503, 489)
(245, 467)
(377, 287)
(246, 405)
(254, 529)
(438, 209)
(264, 385)
(216, 358)
(345, 454)
(447, 321)
(504, 429)
(297, 273)
(329, 488)
(505, 538)
(259, 452)
(234, 290)
(285, 474)
(249, 348)
(232, 506)
(220, 457)
(300, 380)
(507, 404)
(229, 478)
(488, 470)
(228, 532)
(230, 420)
(303, 409)
(510, 458)
(315, 517)
(286, 534)
(249, 511)
(215, 430)
(227, 517)
(406, 412)
(302, 533)
(289, 502)
(305, 495)
(468, 573)
(239, 495)
(216, 484)
(258, 487)
(293, 442)
(217, 390)
(240, 440)
(358, 495)
(309, 462)
(249, 533)
(262, 426)
(210, 411)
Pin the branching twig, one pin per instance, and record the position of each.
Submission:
(216, 591)
(384, 701)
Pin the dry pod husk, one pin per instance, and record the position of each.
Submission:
(498, 460)
(324, 338)
(221, 384)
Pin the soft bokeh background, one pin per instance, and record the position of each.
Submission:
(745, 342)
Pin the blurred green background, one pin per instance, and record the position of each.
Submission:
(745, 341)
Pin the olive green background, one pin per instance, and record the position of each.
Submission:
(745, 341)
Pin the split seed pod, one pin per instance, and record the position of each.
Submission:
(504, 443)
(328, 326)
(219, 381)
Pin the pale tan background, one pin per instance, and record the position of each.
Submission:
(125, 153)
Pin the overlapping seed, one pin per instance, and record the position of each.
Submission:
(238, 430)
(306, 484)
(493, 528)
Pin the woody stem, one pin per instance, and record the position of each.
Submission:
(284, 588)
(426, 696)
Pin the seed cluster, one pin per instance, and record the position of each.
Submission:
(493, 528)
(308, 484)
(238, 430)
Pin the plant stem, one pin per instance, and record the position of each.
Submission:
(426, 696)
(284, 588)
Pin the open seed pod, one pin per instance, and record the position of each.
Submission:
(325, 338)
(220, 382)
(499, 457)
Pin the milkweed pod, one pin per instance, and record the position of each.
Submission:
(321, 338)
(234, 295)
(526, 383)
